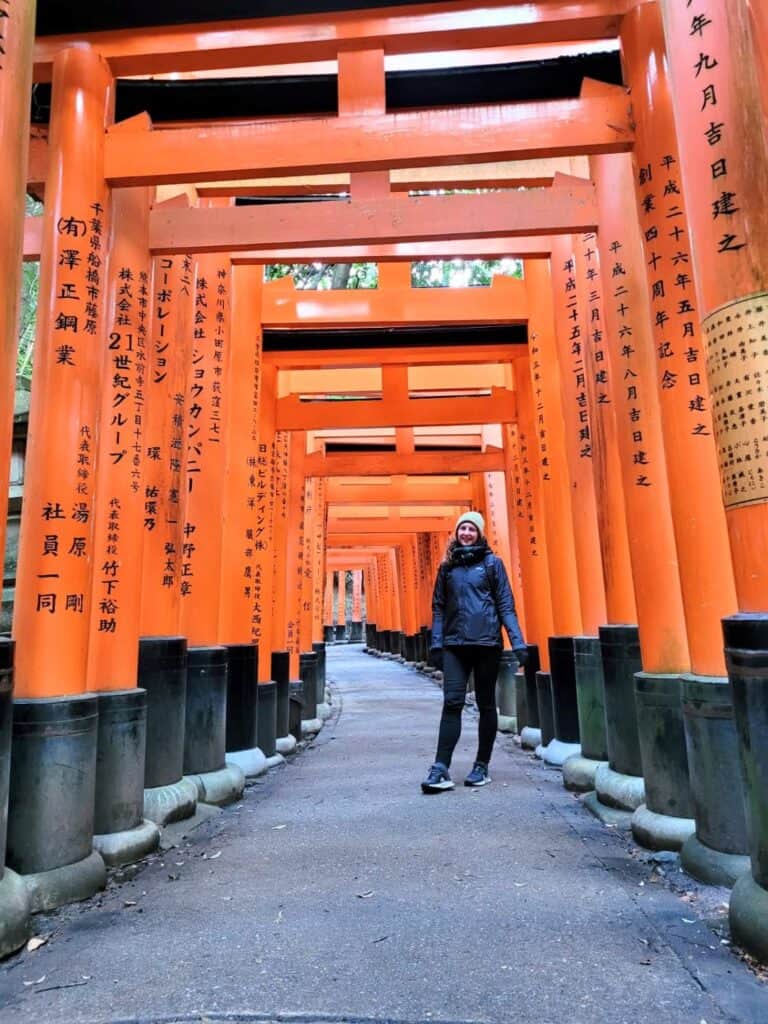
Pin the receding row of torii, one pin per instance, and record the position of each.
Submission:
(180, 475)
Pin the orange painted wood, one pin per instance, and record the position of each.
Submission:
(264, 520)
(514, 246)
(407, 355)
(418, 463)
(720, 107)
(328, 600)
(399, 490)
(701, 532)
(164, 483)
(374, 220)
(318, 558)
(118, 513)
(494, 504)
(290, 558)
(357, 595)
(208, 400)
(239, 497)
(653, 551)
(524, 488)
(17, 30)
(52, 607)
(425, 28)
(572, 341)
(341, 598)
(608, 482)
(503, 302)
(516, 131)
(293, 414)
(280, 539)
(553, 466)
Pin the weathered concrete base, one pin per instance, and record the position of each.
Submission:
(128, 846)
(275, 760)
(15, 911)
(507, 723)
(579, 773)
(556, 752)
(324, 711)
(172, 836)
(221, 787)
(251, 762)
(711, 866)
(530, 738)
(608, 815)
(660, 831)
(539, 752)
(79, 881)
(748, 916)
(622, 792)
(285, 744)
(311, 726)
(175, 802)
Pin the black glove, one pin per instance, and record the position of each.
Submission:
(521, 654)
(436, 658)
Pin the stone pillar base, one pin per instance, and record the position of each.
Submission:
(507, 723)
(69, 884)
(275, 760)
(530, 738)
(15, 912)
(311, 726)
(622, 792)
(748, 916)
(221, 787)
(556, 752)
(285, 744)
(660, 831)
(128, 846)
(251, 762)
(324, 711)
(608, 815)
(713, 867)
(174, 802)
(579, 773)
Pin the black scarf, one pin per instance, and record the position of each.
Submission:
(470, 554)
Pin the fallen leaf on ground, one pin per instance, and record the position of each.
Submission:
(36, 942)
(276, 828)
(365, 895)
(215, 855)
(129, 903)
(37, 982)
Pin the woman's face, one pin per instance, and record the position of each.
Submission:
(467, 534)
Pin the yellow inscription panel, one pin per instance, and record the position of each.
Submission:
(737, 368)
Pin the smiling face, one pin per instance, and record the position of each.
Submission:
(467, 534)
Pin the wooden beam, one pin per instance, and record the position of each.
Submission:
(567, 209)
(505, 302)
(397, 492)
(293, 414)
(507, 131)
(393, 525)
(500, 351)
(427, 28)
(390, 463)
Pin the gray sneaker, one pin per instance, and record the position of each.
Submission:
(478, 776)
(437, 780)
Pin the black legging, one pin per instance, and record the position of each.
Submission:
(458, 662)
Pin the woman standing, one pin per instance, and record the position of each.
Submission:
(472, 600)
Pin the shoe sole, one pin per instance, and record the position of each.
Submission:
(437, 787)
(477, 785)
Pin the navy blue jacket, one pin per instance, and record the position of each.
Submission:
(471, 602)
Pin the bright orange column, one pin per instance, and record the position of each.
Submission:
(341, 599)
(165, 438)
(207, 404)
(318, 559)
(701, 532)
(239, 496)
(263, 527)
(357, 596)
(290, 556)
(497, 527)
(553, 466)
(17, 33)
(609, 487)
(523, 475)
(118, 517)
(311, 572)
(280, 523)
(649, 515)
(51, 614)
(572, 341)
(328, 600)
(720, 114)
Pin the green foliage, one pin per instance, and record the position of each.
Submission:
(30, 286)
(424, 274)
(323, 276)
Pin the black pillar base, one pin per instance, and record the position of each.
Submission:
(308, 672)
(267, 718)
(355, 632)
(329, 634)
(620, 651)
(242, 729)
(280, 674)
(205, 722)
(163, 675)
(320, 679)
(546, 712)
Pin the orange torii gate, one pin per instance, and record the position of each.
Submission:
(662, 257)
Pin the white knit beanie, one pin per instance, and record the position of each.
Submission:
(472, 517)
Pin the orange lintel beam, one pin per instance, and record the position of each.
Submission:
(505, 131)
(433, 355)
(393, 525)
(398, 492)
(386, 463)
(503, 303)
(557, 210)
(291, 413)
(153, 51)
(520, 247)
